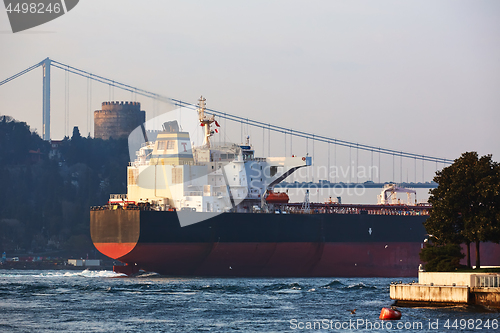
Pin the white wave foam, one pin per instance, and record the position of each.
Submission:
(86, 273)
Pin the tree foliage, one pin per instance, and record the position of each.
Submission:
(441, 258)
(47, 202)
(16, 140)
(466, 203)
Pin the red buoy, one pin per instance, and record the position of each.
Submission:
(390, 314)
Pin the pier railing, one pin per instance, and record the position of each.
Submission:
(487, 281)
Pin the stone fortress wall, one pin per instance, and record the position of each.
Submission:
(117, 119)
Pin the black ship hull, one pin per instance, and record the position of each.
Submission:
(239, 244)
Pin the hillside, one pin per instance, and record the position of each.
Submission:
(46, 189)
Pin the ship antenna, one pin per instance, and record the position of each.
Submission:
(205, 121)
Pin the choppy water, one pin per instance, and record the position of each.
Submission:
(99, 301)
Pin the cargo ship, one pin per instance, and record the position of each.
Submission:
(211, 210)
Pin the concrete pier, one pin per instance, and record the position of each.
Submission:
(443, 289)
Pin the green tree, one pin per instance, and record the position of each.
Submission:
(50, 199)
(466, 203)
(16, 140)
(441, 258)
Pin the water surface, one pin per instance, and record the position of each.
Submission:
(101, 301)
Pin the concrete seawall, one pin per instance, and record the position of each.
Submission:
(485, 296)
(443, 289)
(425, 294)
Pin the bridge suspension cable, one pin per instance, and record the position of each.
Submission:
(20, 73)
(242, 120)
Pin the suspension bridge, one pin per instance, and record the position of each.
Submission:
(322, 172)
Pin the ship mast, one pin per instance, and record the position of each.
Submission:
(205, 121)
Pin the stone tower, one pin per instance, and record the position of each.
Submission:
(117, 119)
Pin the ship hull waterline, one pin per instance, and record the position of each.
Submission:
(262, 245)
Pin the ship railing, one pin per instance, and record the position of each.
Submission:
(487, 281)
(193, 193)
(118, 196)
(105, 207)
(137, 163)
(356, 211)
(129, 206)
(316, 208)
(146, 162)
(191, 163)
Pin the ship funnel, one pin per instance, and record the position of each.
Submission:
(171, 126)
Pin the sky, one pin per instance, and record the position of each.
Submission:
(415, 76)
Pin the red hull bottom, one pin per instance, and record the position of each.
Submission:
(278, 259)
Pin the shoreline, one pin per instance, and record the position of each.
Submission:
(24, 265)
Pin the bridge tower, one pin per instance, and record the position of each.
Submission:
(46, 99)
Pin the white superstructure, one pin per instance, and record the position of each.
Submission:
(171, 174)
(388, 195)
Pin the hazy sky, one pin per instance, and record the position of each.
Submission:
(418, 76)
